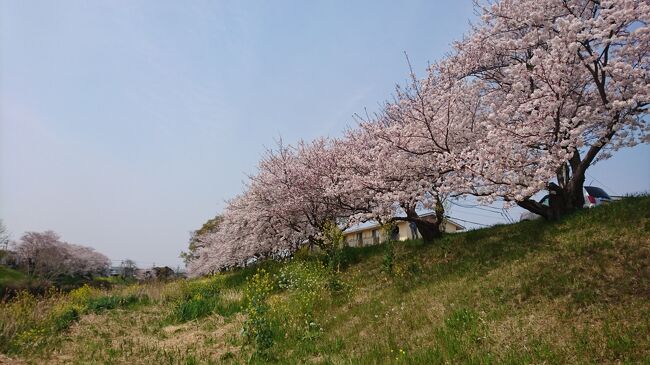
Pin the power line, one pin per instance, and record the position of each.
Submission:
(477, 206)
(506, 213)
(466, 221)
(601, 183)
(485, 216)
(503, 214)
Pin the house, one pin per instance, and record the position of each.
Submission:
(371, 233)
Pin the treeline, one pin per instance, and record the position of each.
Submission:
(536, 93)
(45, 255)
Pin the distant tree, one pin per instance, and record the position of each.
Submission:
(210, 226)
(41, 254)
(44, 254)
(163, 273)
(128, 268)
(4, 236)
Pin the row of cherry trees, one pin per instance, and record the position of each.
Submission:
(537, 92)
(44, 254)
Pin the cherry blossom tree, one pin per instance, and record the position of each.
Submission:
(291, 184)
(44, 254)
(40, 253)
(537, 92)
(287, 203)
(410, 157)
(83, 260)
(565, 83)
(246, 234)
(390, 182)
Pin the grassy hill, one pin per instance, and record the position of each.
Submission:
(9, 277)
(577, 291)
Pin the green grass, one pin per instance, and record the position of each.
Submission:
(99, 304)
(13, 280)
(575, 291)
(202, 298)
(8, 275)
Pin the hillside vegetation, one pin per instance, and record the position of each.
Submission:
(577, 291)
(10, 277)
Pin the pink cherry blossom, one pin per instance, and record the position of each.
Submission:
(536, 93)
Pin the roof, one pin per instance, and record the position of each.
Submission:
(447, 219)
(373, 224)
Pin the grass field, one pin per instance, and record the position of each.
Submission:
(10, 276)
(575, 292)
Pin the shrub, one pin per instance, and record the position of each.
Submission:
(100, 304)
(82, 295)
(334, 248)
(388, 262)
(63, 318)
(258, 328)
(199, 299)
(334, 242)
(16, 317)
(306, 281)
(308, 285)
(27, 323)
(193, 308)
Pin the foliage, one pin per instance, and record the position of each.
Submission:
(534, 95)
(307, 285)
(307, 280)
(100, 304)
(198, 299)
(163, 273)
(389, 248)
(45, 255)
(28, 323)
(128, 269)
(210, 226)
(532, 292)
(334, 244)
(4, 237)
(258, 328)
(8, 275)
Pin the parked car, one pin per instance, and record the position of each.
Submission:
(594, 196)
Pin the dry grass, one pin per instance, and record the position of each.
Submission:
(570, 293)
(137, 337)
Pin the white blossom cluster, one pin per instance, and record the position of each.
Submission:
(45, 255)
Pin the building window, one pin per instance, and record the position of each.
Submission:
(360, 239)
(375, 236)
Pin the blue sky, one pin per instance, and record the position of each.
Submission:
(126, 124)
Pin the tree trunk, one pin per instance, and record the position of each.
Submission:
(561, 200)
(570, 196)
(429, 228)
